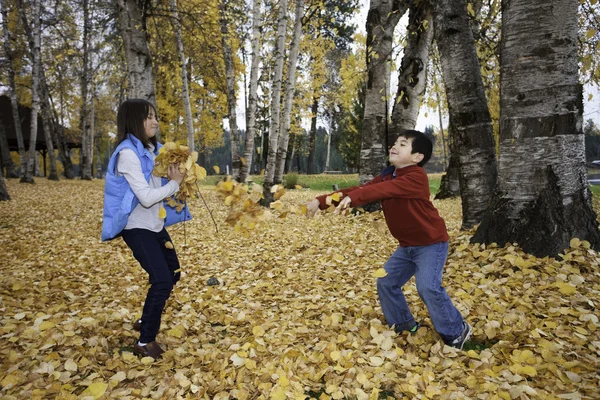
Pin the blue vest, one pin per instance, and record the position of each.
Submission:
(119, 199)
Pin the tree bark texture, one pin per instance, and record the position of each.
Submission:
(543, 199)
(470, 121)
(185, 93)
(312, 139)
(35, 100)
(7, 162)
(231, 97)
(382, 19)
(12, 89)
(288, 97)
(275, 101)
(252, 99)
(132, 25)
(4, 196)
(450, 185)
(412, 75)
(85, 167)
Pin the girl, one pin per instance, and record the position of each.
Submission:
(133, 198)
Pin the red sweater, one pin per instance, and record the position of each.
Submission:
(411, 217)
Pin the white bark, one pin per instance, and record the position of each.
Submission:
(12, 92)
(132, 27)
(35, 101)
(543, 200)
(289, 94)
(85, 160)
(252, 101)
(185, 94)
(275, 99)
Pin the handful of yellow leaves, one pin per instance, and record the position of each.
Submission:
(174, 153)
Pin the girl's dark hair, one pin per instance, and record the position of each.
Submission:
(130, 119)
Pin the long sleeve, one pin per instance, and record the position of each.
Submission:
(130, 167)
(409, 186)
(323, 205)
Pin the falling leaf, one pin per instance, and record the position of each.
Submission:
(169, 245)
(162, 213)
(217, 169)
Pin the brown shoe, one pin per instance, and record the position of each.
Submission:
(137, 325)
(152, 349)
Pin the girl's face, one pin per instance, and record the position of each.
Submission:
(150, 124)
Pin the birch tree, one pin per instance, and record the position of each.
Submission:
(231, 96)
(252, 96)
(7, 162)
(470, 122)
(279, 52)
(4, 196)
(412, 74)
(132, 26)
(185, 94)
(542, 199)
(289, 93)
(85, 82)
(382, 19)
(12, 90)
(35, 102)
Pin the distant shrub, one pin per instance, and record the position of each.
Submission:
(290, 180)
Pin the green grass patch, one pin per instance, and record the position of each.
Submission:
(321, 182)
(595, 189)
(478, 345)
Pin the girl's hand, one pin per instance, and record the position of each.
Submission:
(345, 203)
(174, 174)
(312, 207)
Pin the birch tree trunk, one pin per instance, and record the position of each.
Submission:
(35, 101)
(412, 75)
(470, 121)
(185, 94)
(4, 196)
(52, 174)
(84, 166)
(231, 97)
(312, 139)
(91, 134)
(382, 19)
(290, 85)
(132, 26)
(275, 101)
(252, 100)
(543, 199)
(327, 158)
(12, 90)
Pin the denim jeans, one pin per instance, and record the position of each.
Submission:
(427, 264)
(160, 263)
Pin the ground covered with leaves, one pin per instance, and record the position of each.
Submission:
(295, 314)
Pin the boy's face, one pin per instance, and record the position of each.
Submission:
(400, 153)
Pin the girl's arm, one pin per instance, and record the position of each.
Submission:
(130, 167)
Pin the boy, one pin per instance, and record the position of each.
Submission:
(403, 189)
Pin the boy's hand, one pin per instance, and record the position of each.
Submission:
(312, 207)
(344, 204)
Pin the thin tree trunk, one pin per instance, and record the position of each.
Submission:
(470, 121)
(412, 75)
(290, 85)
(132, 25)
(185, 94)
(52, 174)
(4, 196)
(12, 90)
(252, 99)
(312, 139)
(7, 161)
(92, 133)
(275, 101)
(543, 200)
(439, 107)
(85, 160)
(382, 19)
(231, 96)
(35, 101)
(327, 159)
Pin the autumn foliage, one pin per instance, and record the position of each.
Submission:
(295, 314)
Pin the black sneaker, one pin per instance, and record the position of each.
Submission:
(412, 331)
(466, 333)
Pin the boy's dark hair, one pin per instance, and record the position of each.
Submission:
(130, 119)
(420, 144)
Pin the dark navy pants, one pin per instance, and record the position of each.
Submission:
(160, 263)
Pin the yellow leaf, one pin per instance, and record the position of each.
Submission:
(217, 169)
(169, 245)
(47, 325)
(147, 360)
(528, 370)
(97, 389)
(470, 9)
(565, 288)
(575, 243)
(590, 33)
(298, 187)
(162, 213)
(278, 393)
(277, 205)
(243, 160)
(258, 331)
(335, 355)
(336, 196)
(70, 365)
(380, 273)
